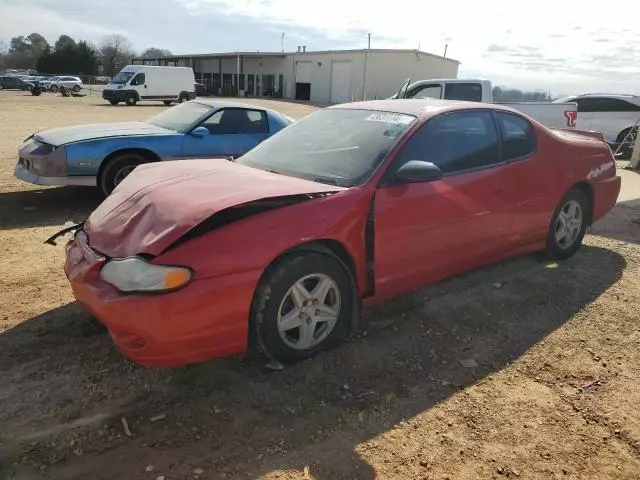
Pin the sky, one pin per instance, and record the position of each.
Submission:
(563, 46)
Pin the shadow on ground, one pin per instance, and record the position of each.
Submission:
(622, 223)
(46, 207)
(239, 420)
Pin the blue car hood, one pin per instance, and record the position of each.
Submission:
(79, 133)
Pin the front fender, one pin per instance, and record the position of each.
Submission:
(85, 158)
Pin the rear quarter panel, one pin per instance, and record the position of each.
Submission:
(590, 161)
(85, 158)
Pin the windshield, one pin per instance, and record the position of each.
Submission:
(122, 78)
(337, 146)
(181, 117)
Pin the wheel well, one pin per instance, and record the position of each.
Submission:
(587, 189)
(621, 136)
(147, 154)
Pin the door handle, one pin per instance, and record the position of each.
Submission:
(145, 86)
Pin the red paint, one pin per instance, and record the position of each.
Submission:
(423, 233)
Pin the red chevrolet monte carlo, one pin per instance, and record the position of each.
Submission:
(190, 260)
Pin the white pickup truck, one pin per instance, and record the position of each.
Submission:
(552, 115)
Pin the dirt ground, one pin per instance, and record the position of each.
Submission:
(522, 370)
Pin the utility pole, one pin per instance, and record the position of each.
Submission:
(364, 73)
(282, 42)
(446, 45)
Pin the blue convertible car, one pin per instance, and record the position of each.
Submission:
(104, 154)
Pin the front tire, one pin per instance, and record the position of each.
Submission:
(167, 102)
(114, 102)
(76, 88)
(131, 100)
(302, 306)
(53, 88)
(568, 225)
(116, 170)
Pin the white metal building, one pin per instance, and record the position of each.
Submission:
(322, 77)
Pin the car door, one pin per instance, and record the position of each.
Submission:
(428, 231)
(138, 83)
(232, 132)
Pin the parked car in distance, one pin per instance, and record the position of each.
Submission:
(102, 155)
(186, 261)
(14, 83)
(612, 114)
(143, 82)
(552, 115)
(70, 83)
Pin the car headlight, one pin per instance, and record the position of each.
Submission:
(135, 274)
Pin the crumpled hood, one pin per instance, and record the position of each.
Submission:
(79, 133)
(158, 203)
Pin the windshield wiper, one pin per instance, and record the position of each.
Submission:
(327, 181)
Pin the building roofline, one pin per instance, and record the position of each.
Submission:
(308, 52)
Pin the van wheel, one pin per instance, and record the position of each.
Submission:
(117, 170)
(114, 102)
(131, 100)
(167, 102)
(182, 97)
(76, 88)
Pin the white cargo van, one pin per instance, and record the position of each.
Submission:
(144, 82)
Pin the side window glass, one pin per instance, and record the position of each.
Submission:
(237, 121)
(139, 79)
(586, 105)
(518, 139)
(469, 92)
(454, 142)
(617, 105)
(426, 91)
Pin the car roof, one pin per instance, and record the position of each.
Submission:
(217, 104)
(422, 108)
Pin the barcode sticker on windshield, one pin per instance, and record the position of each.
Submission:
(389, 118)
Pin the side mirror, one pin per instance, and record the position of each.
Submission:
(416, 171)
(200, 132)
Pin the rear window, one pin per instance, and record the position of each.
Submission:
(470, 92)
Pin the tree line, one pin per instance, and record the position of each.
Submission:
(70, 56)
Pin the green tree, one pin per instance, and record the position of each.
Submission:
(64, 41)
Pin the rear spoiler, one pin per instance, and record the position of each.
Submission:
(583, 133)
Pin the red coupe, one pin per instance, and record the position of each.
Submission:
(191, 260)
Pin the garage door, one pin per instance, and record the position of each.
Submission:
(340, 82)
(303, 72)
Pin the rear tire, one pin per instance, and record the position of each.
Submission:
(167, 102)
(131, 100)
(116, 170)
(53, 88)
(76, 88)
(36, 91)
(293, 317)
(568, 225)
